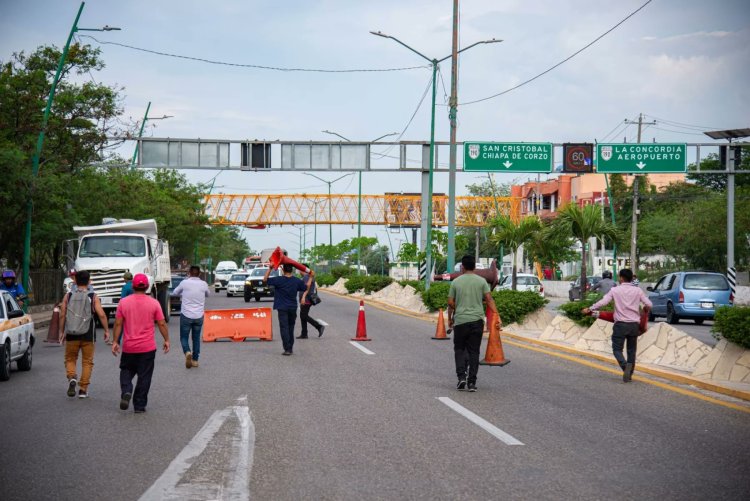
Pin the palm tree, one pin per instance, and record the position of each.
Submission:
(513, 235)
(584, 223)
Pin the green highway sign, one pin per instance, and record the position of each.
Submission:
(641, 158)
(507, 157)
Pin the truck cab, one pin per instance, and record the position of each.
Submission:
(16, 336)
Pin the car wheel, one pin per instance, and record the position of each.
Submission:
(24, 363)
(698, 321)
(229, 295)
(672, 317)
(257, 298)
(651, 317)
(5, 362)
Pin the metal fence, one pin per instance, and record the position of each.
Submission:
(46, 286)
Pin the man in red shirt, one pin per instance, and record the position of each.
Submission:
(136, 315)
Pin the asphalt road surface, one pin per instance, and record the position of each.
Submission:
(334, 422)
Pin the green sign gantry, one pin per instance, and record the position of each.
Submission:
(641, 158)
(507, 157)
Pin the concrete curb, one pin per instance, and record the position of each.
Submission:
(664, 374)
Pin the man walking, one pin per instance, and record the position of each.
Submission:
(77, 331)
(627, 319)
(135, 319)
(466, 318)
(305, 305)
(194, 292)
(286, 288)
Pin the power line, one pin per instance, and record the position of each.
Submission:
(683, 125)
(561, 62)
(680, 132)
(254, 66)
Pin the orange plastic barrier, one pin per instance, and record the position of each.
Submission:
(238, 325)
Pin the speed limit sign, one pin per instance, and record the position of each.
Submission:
(578, 158)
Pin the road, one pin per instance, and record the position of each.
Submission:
(332, 422)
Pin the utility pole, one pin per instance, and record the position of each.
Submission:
(634, 227)
(453, 111)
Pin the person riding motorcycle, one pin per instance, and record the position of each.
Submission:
(605, 284)
(15, 289)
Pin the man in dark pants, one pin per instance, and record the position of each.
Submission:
(136, 315)
(304, 308)
(627, 319)
(466, 317)
(285, 292)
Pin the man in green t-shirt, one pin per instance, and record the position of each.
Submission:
(466, 317)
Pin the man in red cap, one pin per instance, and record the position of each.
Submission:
(136, 315)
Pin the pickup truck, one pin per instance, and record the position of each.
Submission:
(16, 336)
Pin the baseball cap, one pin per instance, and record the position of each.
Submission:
(140, 281)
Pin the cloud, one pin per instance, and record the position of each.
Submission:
(693, 35)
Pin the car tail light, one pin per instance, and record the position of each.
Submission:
(731, 298)
(541, 288)
(682, 297)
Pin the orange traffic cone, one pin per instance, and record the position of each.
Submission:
(440, 331)
(488, 315)
(361, 324)
(494, 355)
(54, 326)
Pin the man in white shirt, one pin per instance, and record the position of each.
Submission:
(194, 292)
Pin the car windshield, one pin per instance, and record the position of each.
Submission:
(175, 282)
(528, 281)
(112, 246)
(258, 272)
(238, 277)
(705, 281)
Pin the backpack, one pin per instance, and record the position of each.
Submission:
(79, 313)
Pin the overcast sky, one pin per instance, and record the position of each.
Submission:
(681, 62)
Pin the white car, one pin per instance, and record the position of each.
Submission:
(16, 336)
(236, 284)
(524, 282)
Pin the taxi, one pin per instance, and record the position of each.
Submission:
(16, 336)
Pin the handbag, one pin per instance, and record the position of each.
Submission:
(313, 298)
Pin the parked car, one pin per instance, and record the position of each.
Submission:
(524, 282)
(175, 302)
(689, 294)
(236, 283)
(574, 292)
(254, 286)
(16, 336)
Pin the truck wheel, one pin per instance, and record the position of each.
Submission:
(24, 363)
(5, 362)
(162, 295)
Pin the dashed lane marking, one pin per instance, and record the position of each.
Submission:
(481, 422)
(361, 348)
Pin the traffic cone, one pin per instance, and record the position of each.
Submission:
(440, 332)
(488, 315)
(494, 355)
(54, 326)
(361, 324)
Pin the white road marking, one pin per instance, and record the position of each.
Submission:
(361, 348)
(240, 462)
(481, 422)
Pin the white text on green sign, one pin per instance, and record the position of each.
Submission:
(508, 157)
(640, 158)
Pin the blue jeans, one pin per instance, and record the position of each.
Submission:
(196, 326)
(287, 319)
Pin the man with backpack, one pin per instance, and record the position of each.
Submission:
(77, 331)
(306, 304)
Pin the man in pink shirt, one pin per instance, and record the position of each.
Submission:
(136, 315)
(628, 301)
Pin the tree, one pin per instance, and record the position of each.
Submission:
(584, 223)
(718, 182)
(549, 248)
(514, 235)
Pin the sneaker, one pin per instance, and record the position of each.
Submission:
(194, 363)
(83, 394)
(627, 375)
(188, 360)
(472, 387)
(139, 411)
(72, 387)
(320, 331)
(301, 337)
(125, 401)
(461, 386)
(287, 353)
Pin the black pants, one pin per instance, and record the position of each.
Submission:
(623, 332)
(467, 339)
(287, 318)
(305, 318)
(142, 365)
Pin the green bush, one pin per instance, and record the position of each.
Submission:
(342, 271)
(437, 297)
(513, 306)
(733, 323)
(369, 284)
(417, 284)
(572, 310)
(325, 279)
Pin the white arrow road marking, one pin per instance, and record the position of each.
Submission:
(234, 486)
(481, 422)
(507, 164)
(361, 348)
(640, 165)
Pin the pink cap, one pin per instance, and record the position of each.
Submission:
(140, 281)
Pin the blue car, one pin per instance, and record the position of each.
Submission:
(689, 294)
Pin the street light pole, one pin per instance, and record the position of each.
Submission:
(330, 215)
(434, 63)
(40, 140)
(140, 133)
